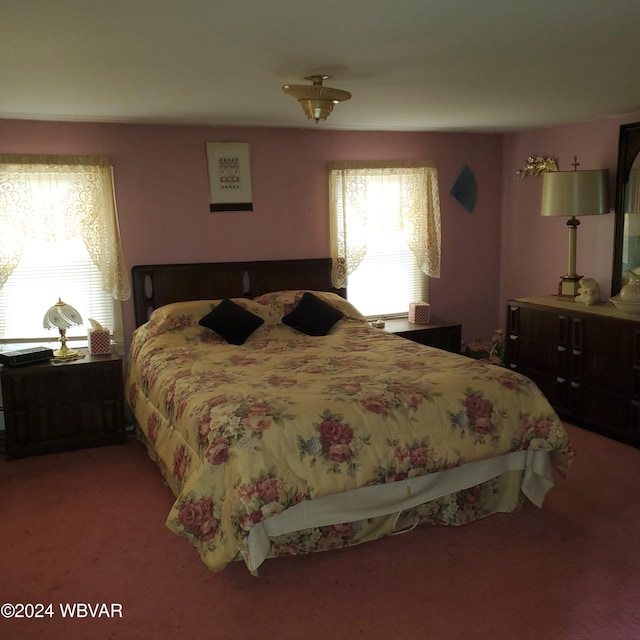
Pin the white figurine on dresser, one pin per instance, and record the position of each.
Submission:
(589, 291)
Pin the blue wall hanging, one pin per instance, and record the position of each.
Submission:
(465, 190)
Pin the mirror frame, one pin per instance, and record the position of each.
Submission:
(628, 149)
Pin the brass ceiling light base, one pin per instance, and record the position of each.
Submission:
(316, 100)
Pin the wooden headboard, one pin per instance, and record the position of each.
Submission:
(157, 285)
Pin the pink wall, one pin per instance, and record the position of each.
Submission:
(503, 249)
(535, 249)
(162, 195)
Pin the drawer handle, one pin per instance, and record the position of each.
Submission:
(562, 348)
(561, 379)
(577, 352)
(575, 385)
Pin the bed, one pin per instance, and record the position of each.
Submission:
(285, 424)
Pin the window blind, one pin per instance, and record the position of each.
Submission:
(59, 239)
(374, 213)
(48, 271)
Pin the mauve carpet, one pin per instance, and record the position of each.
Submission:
(88, 527)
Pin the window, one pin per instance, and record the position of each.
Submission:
(59, 238)
(385, 233)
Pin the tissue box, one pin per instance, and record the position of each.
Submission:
(99, 342)
(420, 312)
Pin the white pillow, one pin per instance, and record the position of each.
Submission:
(179, 315)
(283, 302)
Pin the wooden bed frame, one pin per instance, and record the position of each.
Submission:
(157, 285)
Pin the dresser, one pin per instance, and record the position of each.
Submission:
(586, 360)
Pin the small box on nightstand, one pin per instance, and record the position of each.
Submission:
(99, 342)
(420, 313)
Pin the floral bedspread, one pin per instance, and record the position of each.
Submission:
(244, 432)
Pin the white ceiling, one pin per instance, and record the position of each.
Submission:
(422, 65)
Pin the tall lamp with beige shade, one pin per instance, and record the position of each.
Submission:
(574, 194)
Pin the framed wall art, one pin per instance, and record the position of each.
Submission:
(229, 166)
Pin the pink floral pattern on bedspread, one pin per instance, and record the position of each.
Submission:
(244, 432)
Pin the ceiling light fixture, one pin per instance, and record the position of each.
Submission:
(316, 100)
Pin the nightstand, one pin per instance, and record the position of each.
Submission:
(54, 407)
(439, 333)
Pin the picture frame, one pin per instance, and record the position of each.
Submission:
(229, 166)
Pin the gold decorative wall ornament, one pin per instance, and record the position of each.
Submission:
(537, 165)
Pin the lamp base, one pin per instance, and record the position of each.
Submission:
(569, 286)
(65, 353)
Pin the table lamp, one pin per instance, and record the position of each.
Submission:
(62, 316)
(574, 193)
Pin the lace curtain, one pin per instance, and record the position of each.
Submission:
(55, 198)
(351, 193)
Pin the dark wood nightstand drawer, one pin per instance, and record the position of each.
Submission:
(439, 333)
(54, 407)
